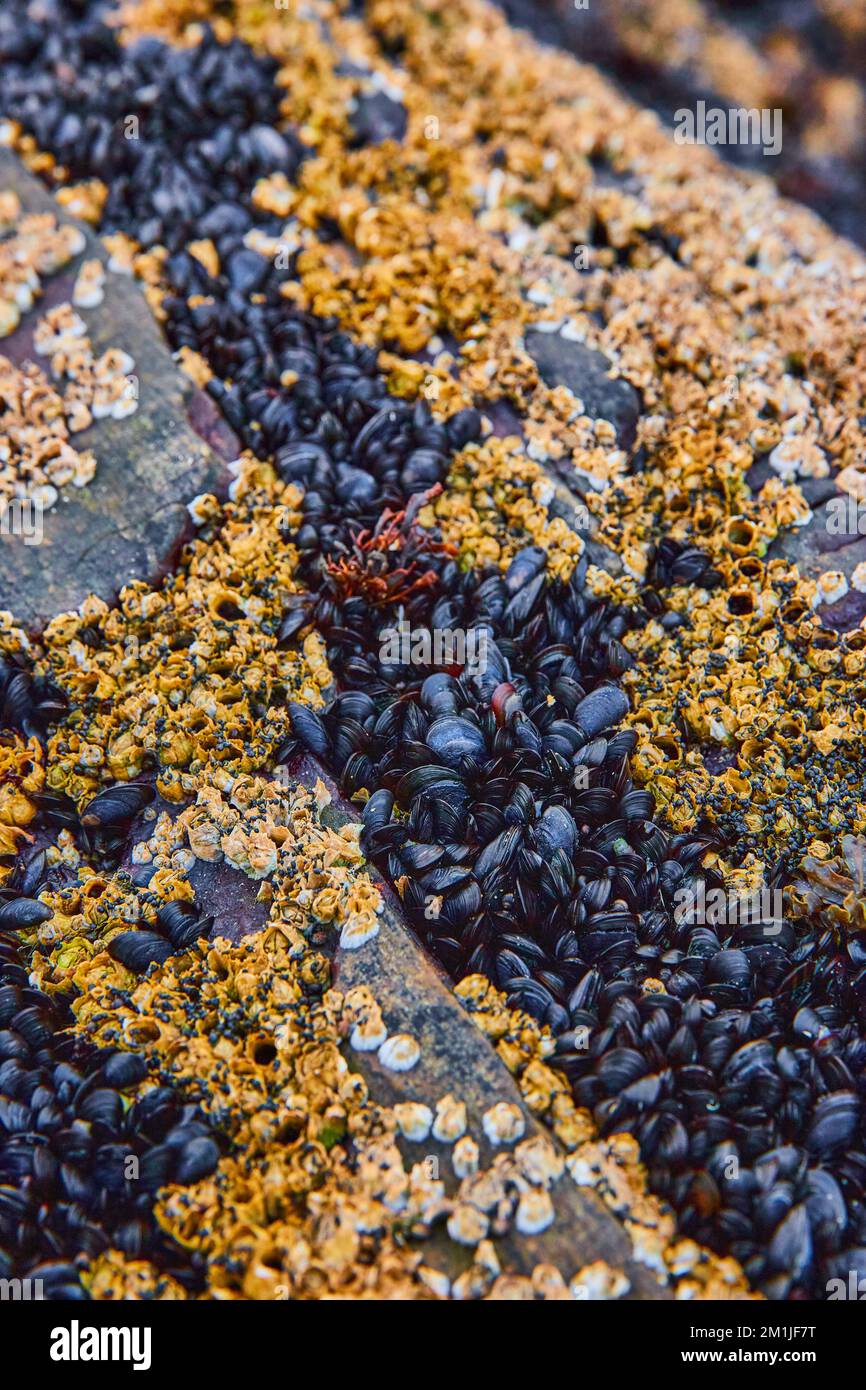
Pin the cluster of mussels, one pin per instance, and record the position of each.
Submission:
(498, 794)
(503, 809)
(83, 1148)
(28, 703)
(178, 136)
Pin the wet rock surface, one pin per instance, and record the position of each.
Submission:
(565, 362)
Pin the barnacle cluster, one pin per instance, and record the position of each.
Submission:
(39, 413)
(496, 499)
(753, 674)
(178, 678)
(36, 453)
(31, 246)
(22, 777)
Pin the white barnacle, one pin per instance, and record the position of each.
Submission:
(10, 317)
(450, 1122)
(832, 585)
(87, 291)
(464, 1157)
(400, 1053)
(534, 1212)
(536, 451)
(648, 1248)
(358, 928)
(503, 1123)
(414, 1121)
(573, 332)
(75, 240)
(22, 293)
(43, 498)
(125, 405)
(202, 508)
(539, 293)
(598, 1282)
(114, 362)
(584, 1172)
(539, 1161)
(370, 1034)
(467, 1225)
(683, 1258)
(433, 1279)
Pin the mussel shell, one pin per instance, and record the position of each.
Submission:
(23, 913)
(138, 950)
(181, 923)
(197, 1159)
(124, 1069)
(601, 709)
(309, 729)
(116, 805)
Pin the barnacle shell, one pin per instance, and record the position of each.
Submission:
(465, 1157)
(450, 1122)
(357, 930)
(400, 1053)
(503, 1123)
(414, 1120)
(599, 1282)
(534, 1212)
(467, 1225)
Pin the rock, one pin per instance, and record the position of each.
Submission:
(563, 362)
(130, 521)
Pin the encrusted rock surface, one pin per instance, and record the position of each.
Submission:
(131, 520)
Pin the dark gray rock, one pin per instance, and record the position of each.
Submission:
(820, 546)
(815, 490)
(562, 362)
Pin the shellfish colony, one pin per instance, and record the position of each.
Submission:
(35, 449)
(374, 278)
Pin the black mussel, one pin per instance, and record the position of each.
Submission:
(138, 950)
(22, 914)
(601, 709)
(181, 923)
(117, 805)
(309, 729)
(451, 739)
